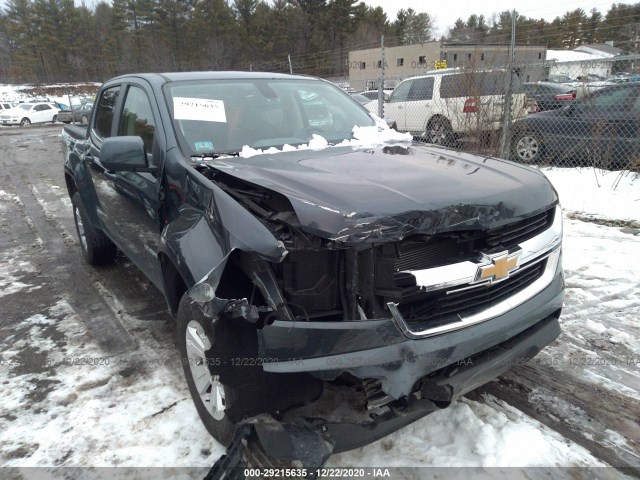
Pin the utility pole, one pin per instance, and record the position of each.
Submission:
(290, 67)
(381, 81)
(506, 124)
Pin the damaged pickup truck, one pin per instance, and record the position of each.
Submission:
(331, 280)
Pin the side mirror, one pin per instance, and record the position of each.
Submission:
(125, 154)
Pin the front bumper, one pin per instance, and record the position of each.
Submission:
(471, 373)
(380, 349)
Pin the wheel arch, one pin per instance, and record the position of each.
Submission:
(71, 183)
(438, 116)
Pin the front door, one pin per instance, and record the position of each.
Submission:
(395, 108)
(129, 202)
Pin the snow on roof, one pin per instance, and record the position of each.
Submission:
(570, 56)
(600, 49)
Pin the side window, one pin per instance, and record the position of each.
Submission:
(451, 86)
(422, 89)
(493, 83)
(45, 107)
(615, 100)
(401, 92)
(137, 117)
(104, 112)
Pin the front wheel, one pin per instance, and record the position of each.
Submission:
(225, 374)
(54, 119)
(526, 147)
(25, 122)
(199, 341)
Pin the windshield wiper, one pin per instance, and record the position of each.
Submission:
(214, 155)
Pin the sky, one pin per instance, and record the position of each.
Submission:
(447, 12)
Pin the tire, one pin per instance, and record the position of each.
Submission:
(194, 328)
(526, 147)
(96, 247)
(223, 354)
(55, 119)
(84, 120)
(25, 122)
(439, 132)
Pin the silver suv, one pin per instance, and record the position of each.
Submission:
(444, 104)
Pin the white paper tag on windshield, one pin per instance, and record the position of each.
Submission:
(202, 109)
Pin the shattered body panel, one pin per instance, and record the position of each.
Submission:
(378, 196)
(379, 349)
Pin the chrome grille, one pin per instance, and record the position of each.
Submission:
(443, 306)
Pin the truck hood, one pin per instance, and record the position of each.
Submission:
(385, 194)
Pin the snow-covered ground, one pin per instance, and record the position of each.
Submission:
(134, 409)
(599, 194)
(54, 92)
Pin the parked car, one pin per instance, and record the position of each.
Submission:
(24, 114)
(548, 95)
(560, 78)
(373, 94)
(602, 129)
(443, 105)
(624, 78)
(8, 106)
(361, 99)
(60, 106)
(77, 114)
(313, 257)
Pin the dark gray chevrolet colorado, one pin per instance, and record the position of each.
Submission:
(331, 280)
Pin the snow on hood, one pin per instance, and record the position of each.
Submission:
(363, 137)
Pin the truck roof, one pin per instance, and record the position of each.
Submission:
(209, 75)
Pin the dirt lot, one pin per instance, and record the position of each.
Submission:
(114, 313)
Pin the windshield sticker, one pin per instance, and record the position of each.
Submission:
(202, 109)
(204, 146)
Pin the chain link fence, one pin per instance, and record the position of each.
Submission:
(582, 113)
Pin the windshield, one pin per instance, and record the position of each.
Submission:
(25, 106)
(222, 116)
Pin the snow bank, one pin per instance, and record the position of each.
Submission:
(597, 193)
(471, 434)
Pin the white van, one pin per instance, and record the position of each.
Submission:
(442, 105)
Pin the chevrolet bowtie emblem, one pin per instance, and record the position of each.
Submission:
(498, 266)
